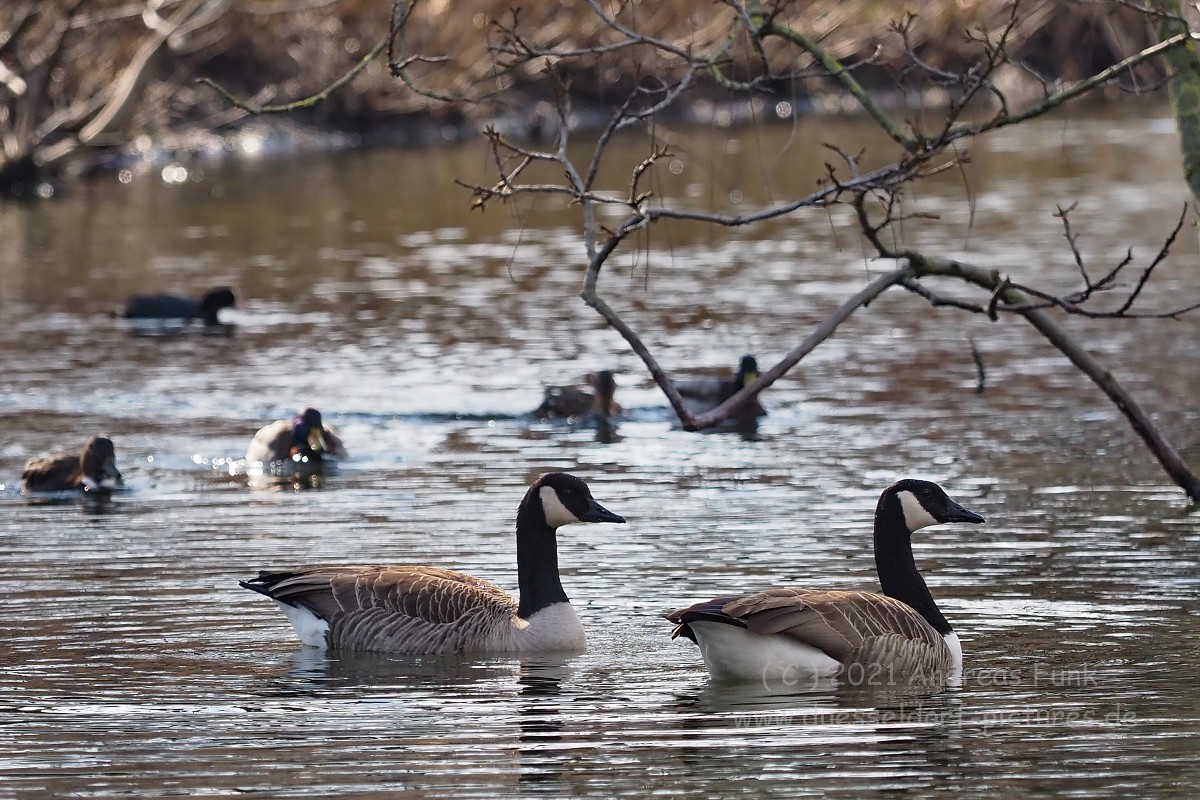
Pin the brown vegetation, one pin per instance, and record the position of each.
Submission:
(78, 79)
(1059, 39)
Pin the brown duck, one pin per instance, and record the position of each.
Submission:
(570, 403)
(94, 469)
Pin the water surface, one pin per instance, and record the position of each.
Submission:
(134, 665)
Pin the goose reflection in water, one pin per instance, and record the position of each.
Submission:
(541, 721)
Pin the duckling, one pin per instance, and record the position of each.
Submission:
(93, 471)
(304, 435)
(801, 635)
(566, 402)
(429, 610)
(169, 307)
(702, 395)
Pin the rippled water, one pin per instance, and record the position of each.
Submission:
(133, 664)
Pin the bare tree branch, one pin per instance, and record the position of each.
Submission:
(306, 102)
(875, 195)
(1166, 454)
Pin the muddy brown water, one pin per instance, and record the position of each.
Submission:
(132, 664)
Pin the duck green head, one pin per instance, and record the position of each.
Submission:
(308, 432)
(747, 371)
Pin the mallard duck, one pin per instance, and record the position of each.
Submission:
(702, 395)
(430, 610)
(304, 435)
(92, 471)
(566, 402)
(169, 307)
(797, 636)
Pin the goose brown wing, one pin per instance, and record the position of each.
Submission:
(852, 627)
(434, 595)
(408, 609)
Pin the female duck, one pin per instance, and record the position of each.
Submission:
(803, 635)
(92, 471)
(566, 402)
(428, 610)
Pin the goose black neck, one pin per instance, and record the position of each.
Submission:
(897, 569)
(537, 559)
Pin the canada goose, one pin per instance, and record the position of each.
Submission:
(566, 402)
(169, 307)
(305, 435)
(428, 610)
(702, 395)
(93, 471)
(802, 635)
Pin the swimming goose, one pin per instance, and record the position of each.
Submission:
(566, 402)
(93, 471)
(304, 435)
(170, 307)
(702, 395)
(428, 610)
(798, 635)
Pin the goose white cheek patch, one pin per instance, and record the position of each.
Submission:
(915, 515)
(556, 513)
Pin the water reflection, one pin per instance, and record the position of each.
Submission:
(819, 693)
(178, 330)
(314, 670)
(298, 472)
(606, 432)
(541, 720)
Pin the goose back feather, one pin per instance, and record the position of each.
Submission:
(411, 608)
(850, 627)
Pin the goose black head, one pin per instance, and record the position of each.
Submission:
(565, 499)
(923, 503)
